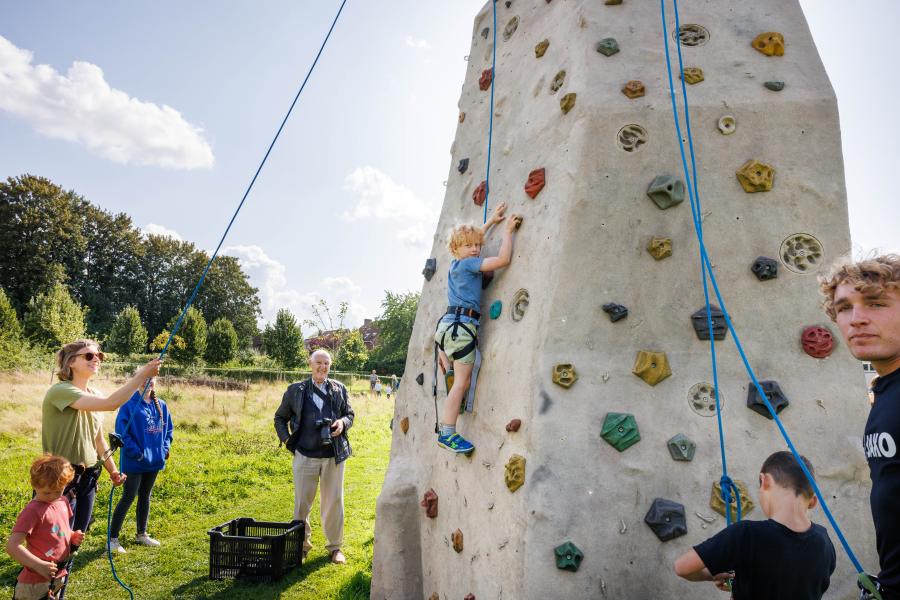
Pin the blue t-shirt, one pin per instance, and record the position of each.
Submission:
(464, 287)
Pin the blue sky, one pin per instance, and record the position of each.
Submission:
(163, 110)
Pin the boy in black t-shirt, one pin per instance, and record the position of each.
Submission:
(787, 557)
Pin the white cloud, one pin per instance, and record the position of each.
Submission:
(81, 107)
(381, 198)
(270, 276)
(154, 229)
(417, 43)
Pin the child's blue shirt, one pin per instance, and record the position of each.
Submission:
(464, 287)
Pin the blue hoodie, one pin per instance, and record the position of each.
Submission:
(147, 437)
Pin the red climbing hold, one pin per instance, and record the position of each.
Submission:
(487, 76)
(535, 183)
(430, 503)
(480, 193)
(817, 342)
(514, 425)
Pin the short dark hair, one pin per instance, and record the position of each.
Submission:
(786, 471)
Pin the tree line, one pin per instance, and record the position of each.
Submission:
(71, 269)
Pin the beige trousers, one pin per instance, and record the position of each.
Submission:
(308, 472)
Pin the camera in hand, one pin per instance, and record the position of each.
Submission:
(324, 427)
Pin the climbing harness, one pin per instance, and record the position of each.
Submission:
(453, 330)
(215, 254)
(864, 580)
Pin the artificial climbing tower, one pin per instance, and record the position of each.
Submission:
(597, 443)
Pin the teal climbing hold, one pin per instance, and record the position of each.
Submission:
(568, 556)
(496, 309)
(620, 430)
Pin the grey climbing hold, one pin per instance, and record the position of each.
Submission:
(667, 519)
(430, 268)
(666, 191)
(701, 325)
(420, 378)
(765, 268)
(463, 165)
(616, 312)
(608, 46)
(681, 447)
(773, 392)
(485, 32)
(775, 86)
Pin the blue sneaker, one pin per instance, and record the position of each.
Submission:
(455, 443)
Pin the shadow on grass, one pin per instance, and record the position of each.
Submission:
(199, 586)
(357, 588)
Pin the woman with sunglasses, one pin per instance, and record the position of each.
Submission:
(71, 429)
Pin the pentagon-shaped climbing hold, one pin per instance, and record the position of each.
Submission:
(616, 312)
(564, 375)
(404, 425)
(634, 89)
(718, 504)
(801, 252)
(651, 366)
(755, 176)
(480, 193)
(511, 27)
(496, 309)
(484, 82)
(666, 191)
(430, 503)
(681, 447)
(535, 183)
(514, 425)
(701, 325)
(420, 378)
(462, 117)
(568, 556)
(567, 102)
(727, 124)
(457, 538)
(485, 32)
(770, 43)
(817, 341)
(608, 46)
(430, 268)
(620, 430)
(463, 165)
(514, 474)
(666, 518)
(692, 75)
(775, 86)
(659, 248)
(773, 392)
(558, 81)
(765, 268)
(520, 303)
(541, 48)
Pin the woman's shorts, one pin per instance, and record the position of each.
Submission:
(462, 340)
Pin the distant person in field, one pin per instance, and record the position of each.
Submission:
(45, 528)
(373, 379)
(145, 427)
(71, 427)
(863, 299)
(378, 387)
(312, 422)
(457, 331)
(787, 557)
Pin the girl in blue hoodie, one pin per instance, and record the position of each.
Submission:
(145, 427)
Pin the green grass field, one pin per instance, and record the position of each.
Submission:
(225, 464)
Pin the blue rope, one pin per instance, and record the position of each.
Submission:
(216, 253)
(487, 175)
(707, 268)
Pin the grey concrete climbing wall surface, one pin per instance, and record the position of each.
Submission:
(617, 432)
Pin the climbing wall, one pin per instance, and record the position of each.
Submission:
(597, 457)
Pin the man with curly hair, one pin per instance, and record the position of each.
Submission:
(863, 299)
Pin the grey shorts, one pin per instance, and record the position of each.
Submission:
(462, 340)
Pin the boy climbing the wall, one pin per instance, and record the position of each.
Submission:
(457, 331)
(787, 557)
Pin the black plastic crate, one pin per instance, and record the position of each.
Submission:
(252, 550)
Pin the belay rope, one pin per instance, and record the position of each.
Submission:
(728, 486)
(213, 257)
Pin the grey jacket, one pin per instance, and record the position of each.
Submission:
(287, 417)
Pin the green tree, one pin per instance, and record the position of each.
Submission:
(128, 335)
(53, 318)
(159, 342)
(395, 325)
(227, 294)
(283, 340)
(221, 342)
(11, 340)
(193, 331)
(352, 354)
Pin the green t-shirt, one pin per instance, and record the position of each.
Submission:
(66, 431)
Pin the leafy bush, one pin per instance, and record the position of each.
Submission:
(128, 335)
(193, 332)
(221, 342)
(352, 354)
(159, 342)
(283, 341)
(53, 318)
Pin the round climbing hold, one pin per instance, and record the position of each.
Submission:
(702, 399)
(817, 341)
(727, 124)
(801, 252)
(632, 138)
(691, 34)
(634, 89)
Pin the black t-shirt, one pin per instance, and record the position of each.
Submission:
(771, 562)
(880, 445)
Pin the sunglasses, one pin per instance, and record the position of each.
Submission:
(89, 356)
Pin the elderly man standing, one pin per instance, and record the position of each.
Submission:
(312, 422)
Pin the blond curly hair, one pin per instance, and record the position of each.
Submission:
(871, 277)
(463, 235)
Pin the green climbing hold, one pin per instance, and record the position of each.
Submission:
(568, 556)
(666, 191)
(775, 86)
(496, 309)
(608, 46)
(620, 430)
